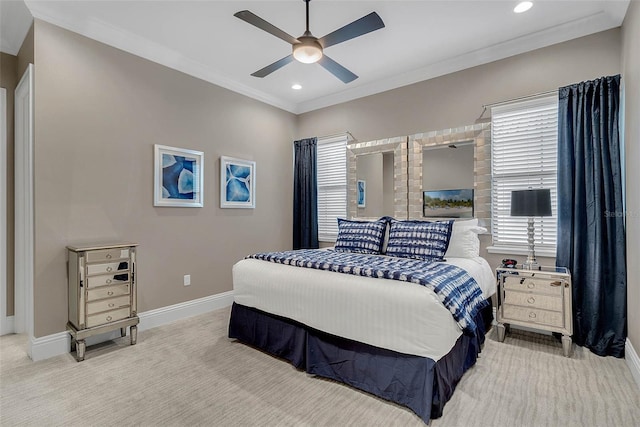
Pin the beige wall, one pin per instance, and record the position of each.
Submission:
(456, 99)
(631, 79)
(98, 112)
(9, 81)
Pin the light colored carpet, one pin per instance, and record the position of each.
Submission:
(189, 373)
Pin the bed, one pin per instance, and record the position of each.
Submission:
(375, 328)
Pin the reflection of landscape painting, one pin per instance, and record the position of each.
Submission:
(362, 193)
(448, 203)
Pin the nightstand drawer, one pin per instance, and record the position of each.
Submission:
(545, 302)
(108, 316)
(107, 254)
(548, 286)
(108, 304)
(96, 269)
(106, 280)
(108, 292)
(532, 315)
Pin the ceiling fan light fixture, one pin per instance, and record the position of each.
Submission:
(308, 50)
(523, 6)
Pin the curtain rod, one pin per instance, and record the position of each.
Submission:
(535, 95)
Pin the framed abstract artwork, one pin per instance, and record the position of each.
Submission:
(362, 193)
(237, 183)
(178, 177)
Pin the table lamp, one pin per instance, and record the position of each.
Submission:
(531, 203)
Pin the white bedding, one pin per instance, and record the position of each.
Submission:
(400, 316)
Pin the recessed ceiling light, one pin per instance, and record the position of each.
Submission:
(296, 87)
(523, 6)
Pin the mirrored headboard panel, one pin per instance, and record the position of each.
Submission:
(381, 168)
(423, 145)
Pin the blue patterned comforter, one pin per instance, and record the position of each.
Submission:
(455, 288)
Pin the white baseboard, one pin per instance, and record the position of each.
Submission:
(59, 343)
(8, 327)
(633, 361)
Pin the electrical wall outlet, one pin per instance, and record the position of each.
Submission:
(187, 279)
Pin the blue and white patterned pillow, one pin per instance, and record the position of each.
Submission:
(362, 237)
(419, 239)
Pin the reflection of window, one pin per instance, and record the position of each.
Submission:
(332, 185)
(524, 151)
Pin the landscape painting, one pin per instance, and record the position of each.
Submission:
(448, 203)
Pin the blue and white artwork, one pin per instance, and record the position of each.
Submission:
(237, 183)
(178, 177)
(362, 193)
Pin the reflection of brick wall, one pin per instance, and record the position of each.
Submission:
(408, 168)
(481, 135)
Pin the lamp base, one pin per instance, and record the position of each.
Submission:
(531, 263)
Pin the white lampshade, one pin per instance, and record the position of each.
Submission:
(307, 51)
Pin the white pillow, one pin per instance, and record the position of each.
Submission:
(464, 241)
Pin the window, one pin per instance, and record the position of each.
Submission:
(524, 151)
(332, 185)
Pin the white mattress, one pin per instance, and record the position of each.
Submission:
(399, 316)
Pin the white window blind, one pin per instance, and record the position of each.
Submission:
(332, 185)
(524, 152)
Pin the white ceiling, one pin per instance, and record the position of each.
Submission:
(421, 39)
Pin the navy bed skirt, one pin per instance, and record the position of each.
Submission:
(418, 383)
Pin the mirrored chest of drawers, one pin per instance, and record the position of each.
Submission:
(539, 299)
(102, 292)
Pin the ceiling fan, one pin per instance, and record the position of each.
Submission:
(309, 49)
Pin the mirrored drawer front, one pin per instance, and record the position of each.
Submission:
(530, 284)
(107, 316)
(530, 315)
(108, 292)
(108, 304)
(94, 269)
(107, 254)
(95, 281)
(546, 302)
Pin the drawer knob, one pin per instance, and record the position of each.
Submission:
(531, 285)
(108, 256)
(109, 318)
(531, 300)
(109, 269)
(556, 283)
(532, 315)
(112, 305)
(108, 280)
(110, 293)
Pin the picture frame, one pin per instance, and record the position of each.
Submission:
(362, 193)
(237, 183)
(178, 177)
(448, 203)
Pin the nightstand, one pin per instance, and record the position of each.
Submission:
(539, 299)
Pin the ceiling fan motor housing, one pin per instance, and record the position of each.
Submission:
(308, 50)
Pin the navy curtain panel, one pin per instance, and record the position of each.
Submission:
(305, 194)
(591, 235)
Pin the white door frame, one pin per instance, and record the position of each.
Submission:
(24, 218)
(6, 323)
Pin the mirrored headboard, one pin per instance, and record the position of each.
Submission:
(381, 168)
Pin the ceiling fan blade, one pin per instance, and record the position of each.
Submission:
(273, 67)
(256, 21)
(364, 25)
(336, 69)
